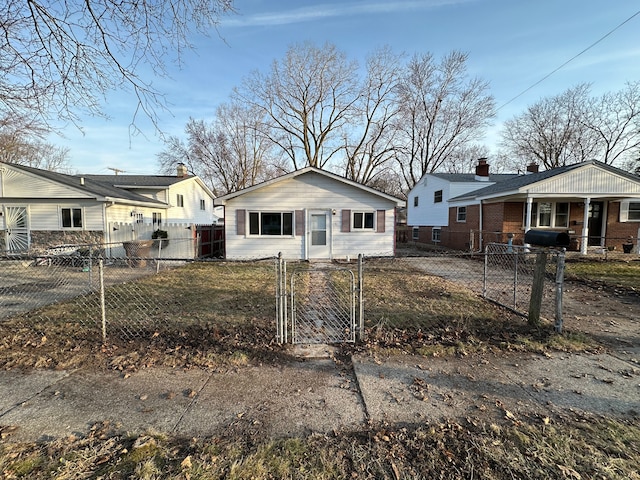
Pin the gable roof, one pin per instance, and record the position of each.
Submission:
(90, 184)
(222, 200)
(515, 184)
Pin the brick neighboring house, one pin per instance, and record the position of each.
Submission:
(596, 204)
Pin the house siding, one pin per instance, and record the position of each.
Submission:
(306, 193)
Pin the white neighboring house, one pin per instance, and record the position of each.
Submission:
(40, 208)
(309, 214)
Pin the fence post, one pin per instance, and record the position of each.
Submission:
(360, 297)
(537, 289)
(485, 271)
(515, 280)
(279, 298)
(559, 288)
(103, 310)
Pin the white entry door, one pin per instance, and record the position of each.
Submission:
(16, 230)
(320, 228)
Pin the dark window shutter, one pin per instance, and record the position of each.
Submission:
(380, 221)
(240, 221)
(300, 223)
(346, 221)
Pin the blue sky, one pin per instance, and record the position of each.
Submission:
(511, 43)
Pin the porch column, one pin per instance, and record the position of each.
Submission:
(527, 220)
(585, 227)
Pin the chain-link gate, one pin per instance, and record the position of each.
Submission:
(319, 303)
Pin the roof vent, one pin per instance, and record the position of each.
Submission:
(81, 180)
(182, 170)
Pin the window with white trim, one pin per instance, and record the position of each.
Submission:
(435, 234)
(461, 214)
(156, 218)
(415, 201)
(415, 234)
(179, 200)
(139, 217)
(630, 211)
(202, 206)
(271, 223)
(363, 220)
(71, 217)
(437, 196)
(548, 214)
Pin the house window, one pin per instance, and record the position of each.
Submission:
(461, 214)
(630, 210)
(548, 214)
(139, 217)
(415, 234)
(561, 218)
(415, 201)
(71, 217)
(202, 207)
(363, 220)
(271, 223)
(437, 196)
(179, 200)
(435, 234)
(157, 218)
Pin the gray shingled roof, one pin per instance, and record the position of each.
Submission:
(140, 181)
(519, 181)
(93, 184)
(471, 177)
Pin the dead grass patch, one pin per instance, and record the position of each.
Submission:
(527, 447)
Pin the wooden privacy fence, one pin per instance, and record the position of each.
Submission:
(210, 241)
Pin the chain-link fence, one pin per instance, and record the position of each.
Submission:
(504, 274)
(86, 290)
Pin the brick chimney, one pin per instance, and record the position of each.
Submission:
(182, 170)
(532, 168)
(482, 170)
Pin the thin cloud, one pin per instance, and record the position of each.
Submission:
(319, 12)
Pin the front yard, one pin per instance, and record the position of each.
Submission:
(222, 315)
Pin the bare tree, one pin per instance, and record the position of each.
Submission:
(228, 153)
(442, 110)
(22, 141)
(307, 99)
(465, 159)
(58, 58)
(614, 118)
(370, 139)
(553, 131)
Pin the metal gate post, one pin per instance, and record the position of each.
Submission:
(515, 282)
(360, 297)
(559, 288)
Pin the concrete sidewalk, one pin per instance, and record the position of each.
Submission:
(316, 395)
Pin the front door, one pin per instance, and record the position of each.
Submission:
(595, 223)
(16, 230)
(320, 228)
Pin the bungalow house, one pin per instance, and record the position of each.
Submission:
(596, 204)
(40, 208)
(309, 214)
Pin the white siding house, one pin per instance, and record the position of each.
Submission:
(39, 208)
(309, 214)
